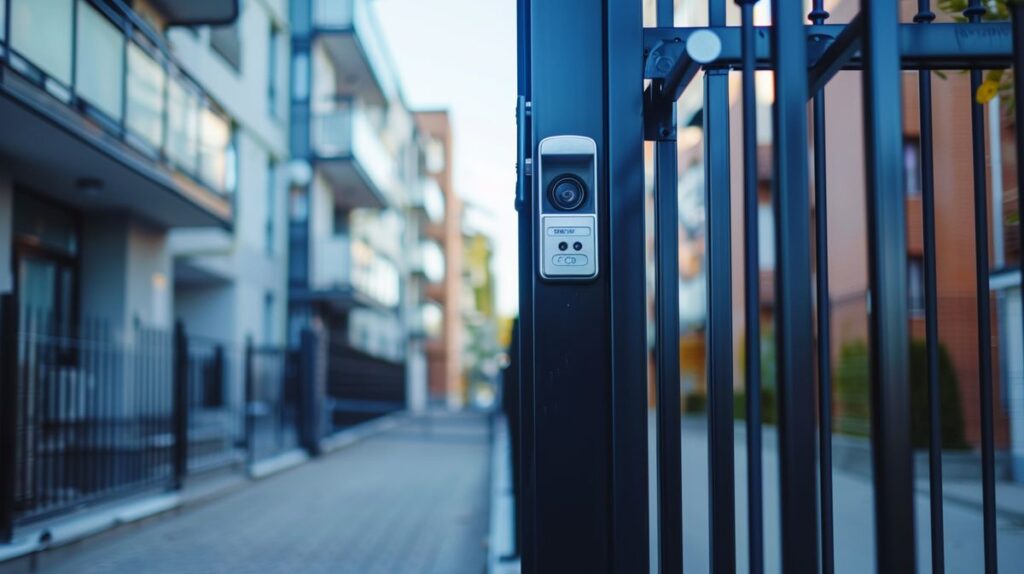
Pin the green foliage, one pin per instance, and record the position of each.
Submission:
(695, 403)
(951, 409)
(769, 410)
(852, 405)
(853, 395)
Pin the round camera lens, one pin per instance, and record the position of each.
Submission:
(567, 193)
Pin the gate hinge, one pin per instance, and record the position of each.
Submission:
(524, 165)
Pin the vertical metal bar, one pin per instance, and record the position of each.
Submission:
(793, 292)
(973, 13)
(247, 408)
(887, 248)
(8, 413)
(721, 475)
(818, 16)
(924, 87)
(627, 287)
(180, 405)
(666, 222)
(666, 249)
(752, 291)
(525, 206)
(1017, 15)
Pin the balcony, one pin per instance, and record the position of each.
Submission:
(348, 274)
(351, 156)
(89, 92)
(350, 34)
(428, 199)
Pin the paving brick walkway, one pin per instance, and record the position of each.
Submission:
(411, 500)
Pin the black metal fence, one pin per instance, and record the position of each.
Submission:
(361, 386)
(93, 414)
(90, 413)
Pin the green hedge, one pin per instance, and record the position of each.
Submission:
(853, 403)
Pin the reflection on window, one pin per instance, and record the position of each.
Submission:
(912, 168)
(182, 125)
(146, 79)
(99, 61)
(41, 32)
(216, 150)
(915, 285)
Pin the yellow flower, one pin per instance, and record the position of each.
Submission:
(986, 91)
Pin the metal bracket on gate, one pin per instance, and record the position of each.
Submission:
(524, 165)
(672, 64)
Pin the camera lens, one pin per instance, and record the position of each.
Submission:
(567, 193)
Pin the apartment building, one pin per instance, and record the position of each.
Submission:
(230, 284)
(357, 178)
(848, 270)
(444, 294)
(109, 144)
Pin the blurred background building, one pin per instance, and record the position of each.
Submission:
(224, 234)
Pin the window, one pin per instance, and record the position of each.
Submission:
(273, 54)
(270, 235)
(41, 33)
(99, 61)
(268, 318)
(145, 106)
(227, 41)
(915, 285)
(765, 237)
(912, 167)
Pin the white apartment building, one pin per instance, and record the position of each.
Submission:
(230, 284)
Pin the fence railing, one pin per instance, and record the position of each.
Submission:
(90, 413)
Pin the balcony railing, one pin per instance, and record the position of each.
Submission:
(353, 16)
(103, 60)
(332, 264)
(344, 264)
(346, 132)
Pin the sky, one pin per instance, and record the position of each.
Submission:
(461, 55)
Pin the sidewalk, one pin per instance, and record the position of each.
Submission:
(413, 499)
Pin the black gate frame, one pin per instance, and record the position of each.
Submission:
(583, 429)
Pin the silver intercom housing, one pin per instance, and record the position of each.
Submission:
(567, 204)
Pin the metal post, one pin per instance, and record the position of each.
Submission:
(824, 310)
(666, 249)
(793, 292)
(973, 13)
(752, 291)
(180, 405)
(887, 263)
(247, 405)
(8, 412)
(1017, 14)
(310, 395)
(924, 87)
(586, 493)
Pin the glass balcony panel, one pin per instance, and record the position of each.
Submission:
(99, 61)
(331, 268)
(3, 22)
(333, 13)
(145, 109)
(215, 149)
(50, 51)
(372, 154)
(182, 125)
(332, 132)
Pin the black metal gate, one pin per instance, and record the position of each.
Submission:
(594, 84)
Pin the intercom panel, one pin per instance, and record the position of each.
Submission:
(567, 201)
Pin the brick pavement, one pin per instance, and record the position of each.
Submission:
(412, 500)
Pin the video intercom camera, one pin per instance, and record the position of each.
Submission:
(567, 204)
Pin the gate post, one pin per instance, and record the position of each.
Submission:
(8, 411)
(248, 395)
(583, 340)
(312, 382)
(180, 421)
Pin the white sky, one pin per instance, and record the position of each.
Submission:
(461, 55)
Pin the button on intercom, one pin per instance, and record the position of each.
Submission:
(567, 200)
